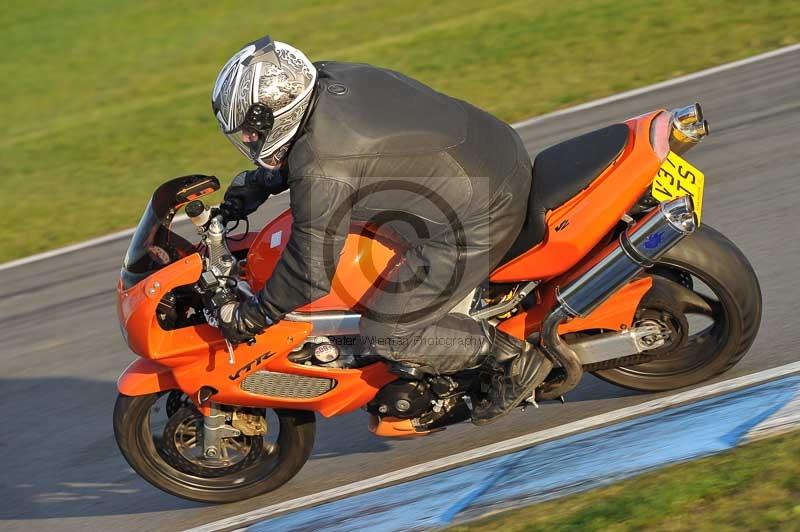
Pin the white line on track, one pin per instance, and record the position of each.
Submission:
(661, 85)
(77, 247)
(581, 107)
(502, 447)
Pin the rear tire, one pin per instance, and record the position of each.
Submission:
(136, 441)
(709, 256)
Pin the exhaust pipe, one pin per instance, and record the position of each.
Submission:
(639, 247)
(688, 128)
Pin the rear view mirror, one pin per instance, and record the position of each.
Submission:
(194, 187)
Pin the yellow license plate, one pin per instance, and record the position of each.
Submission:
(677, 178)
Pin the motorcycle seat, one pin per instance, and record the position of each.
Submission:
(560, 173)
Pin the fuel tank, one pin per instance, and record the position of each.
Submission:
(365, 259)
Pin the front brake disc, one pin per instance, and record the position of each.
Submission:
(183, 447)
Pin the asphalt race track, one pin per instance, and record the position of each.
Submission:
(62, 350)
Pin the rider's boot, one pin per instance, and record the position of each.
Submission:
(516, 369)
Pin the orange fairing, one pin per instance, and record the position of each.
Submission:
(136, 308)
(352, 388)
(192, 357)
(590, 215)
(390, 427)
(267, 248)
(363, 260)
(616, 313)
(144, 376)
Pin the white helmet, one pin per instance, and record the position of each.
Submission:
(260, 97)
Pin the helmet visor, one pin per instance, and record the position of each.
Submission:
(250, 136)
(248, 142)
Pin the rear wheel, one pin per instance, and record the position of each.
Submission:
(707, 295)
(159, 436)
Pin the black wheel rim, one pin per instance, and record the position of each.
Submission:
(709, 328)
(256, 470)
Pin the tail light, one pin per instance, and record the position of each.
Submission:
(660, 130)
(677, 130)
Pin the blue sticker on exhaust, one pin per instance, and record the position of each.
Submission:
(654, 240)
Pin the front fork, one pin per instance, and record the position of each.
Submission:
(215, 428)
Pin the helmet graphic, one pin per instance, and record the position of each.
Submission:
(260, 97)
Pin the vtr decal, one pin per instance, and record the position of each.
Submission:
(250, 366)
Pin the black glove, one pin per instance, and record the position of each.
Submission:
(241, 321)
(250, 189)
(230, 209)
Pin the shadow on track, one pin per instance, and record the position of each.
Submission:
(59, 457)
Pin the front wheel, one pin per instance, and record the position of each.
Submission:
(706, 294)
(158, 434)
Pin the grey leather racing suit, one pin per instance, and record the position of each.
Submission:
(383, 150)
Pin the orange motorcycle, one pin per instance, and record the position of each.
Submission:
(619, 279)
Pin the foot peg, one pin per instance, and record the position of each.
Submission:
(409, 371)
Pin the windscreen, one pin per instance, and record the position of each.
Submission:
(154, 245)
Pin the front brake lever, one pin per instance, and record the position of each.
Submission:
(229, 345)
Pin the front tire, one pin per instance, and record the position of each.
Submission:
(734, 305)
(144, 450)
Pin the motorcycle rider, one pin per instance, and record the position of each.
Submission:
(358, 145)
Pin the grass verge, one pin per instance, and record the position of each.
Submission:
(754, 487)
(103, 101)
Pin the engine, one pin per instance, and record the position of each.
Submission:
(402, 399)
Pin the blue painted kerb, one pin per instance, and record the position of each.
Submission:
(550, 469)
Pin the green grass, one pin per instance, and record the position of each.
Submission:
(104, 100)
(755, 487)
